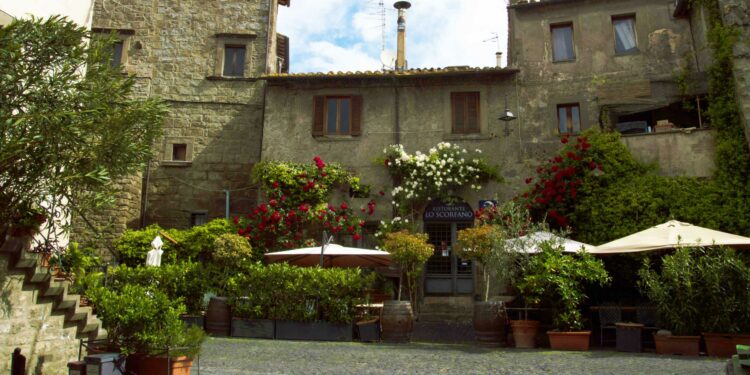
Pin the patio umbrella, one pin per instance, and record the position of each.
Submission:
(153, 258)
(333, 256)
(530, 242)
(670, 235)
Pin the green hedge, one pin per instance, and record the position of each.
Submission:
(280, 291)
(195, 244)
(186, 281)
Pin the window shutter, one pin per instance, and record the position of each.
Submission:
(319, 115)
(356, 115)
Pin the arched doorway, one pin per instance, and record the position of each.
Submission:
(445, 273)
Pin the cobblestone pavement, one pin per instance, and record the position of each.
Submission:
(241, 356)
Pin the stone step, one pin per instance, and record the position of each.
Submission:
(54, 288)
(80, 313)
(38, 274)
(443, 331)
(68, 301)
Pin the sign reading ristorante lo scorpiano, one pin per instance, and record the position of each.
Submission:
(439, 211)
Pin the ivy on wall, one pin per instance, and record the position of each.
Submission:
(628, 196)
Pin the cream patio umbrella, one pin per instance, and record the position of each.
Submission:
(333, 256)
(670, 235)
(530, 243)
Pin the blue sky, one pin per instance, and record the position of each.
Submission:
(346, 35)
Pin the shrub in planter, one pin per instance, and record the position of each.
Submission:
(411, 251)
(145, 321)
(701, 290)
(559, 278)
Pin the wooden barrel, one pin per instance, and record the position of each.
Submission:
(218, 317)
(396, 321)
(489, 323)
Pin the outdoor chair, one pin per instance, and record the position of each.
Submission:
(608, 316)
(647, 316)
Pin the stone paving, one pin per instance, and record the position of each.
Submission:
(242, 356)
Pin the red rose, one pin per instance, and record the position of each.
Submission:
(382, 193)
(356, 237)
(344, 206)
(319, 162)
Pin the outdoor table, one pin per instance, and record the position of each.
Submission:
(372, 309)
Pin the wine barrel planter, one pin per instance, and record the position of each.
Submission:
(524, 333)
(218, 317)
(396, 321)
(489, 323)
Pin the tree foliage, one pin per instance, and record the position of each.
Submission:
(69, 126)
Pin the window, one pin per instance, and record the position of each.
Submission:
(117, 53)
(465, 107)
(234, 61)
(569, 118)
(562, 42)
(625, 41)
(337, 115)
(198, 218)
(179, 152)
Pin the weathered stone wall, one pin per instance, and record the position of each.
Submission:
(175, 52)
(736, 13)
(42, 336)
(677, 153)
(424, 113)
(597, 78)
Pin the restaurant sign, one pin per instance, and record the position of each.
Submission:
(451, 212)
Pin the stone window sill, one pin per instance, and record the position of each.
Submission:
(337, 138)
(223, 78)
(563, 61)
(178, 164)
(467, 137)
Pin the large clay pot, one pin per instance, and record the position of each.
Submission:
(524, 333)
(578, 341)
(218, 317)
(489, 323)
(720, 345)
(682, 345)
(147, 365)
(396, 321)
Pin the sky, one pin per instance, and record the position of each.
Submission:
(346, 35)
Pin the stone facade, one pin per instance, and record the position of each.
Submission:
(47, 342)
(175, 50)
(677, 153)
(736, 13)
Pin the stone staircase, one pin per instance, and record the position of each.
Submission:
(452, 309)
(50, 289)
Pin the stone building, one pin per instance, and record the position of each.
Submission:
(205, 60)
(573, 65)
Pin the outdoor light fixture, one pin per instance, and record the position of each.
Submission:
(507, 117)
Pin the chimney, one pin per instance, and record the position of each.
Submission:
(402, 6)
(499, 57)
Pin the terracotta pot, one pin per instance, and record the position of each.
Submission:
(578, 341)
(524, 333)
(681, 345)
(147, 365)
(489, 323)
(719, 344)
(218, 317)
(396, 321)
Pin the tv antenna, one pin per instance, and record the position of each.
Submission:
(381, 4)
(495, 38)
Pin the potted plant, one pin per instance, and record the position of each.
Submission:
(410, 251)
(144, 324)
(700, 290)
(489, 316)
(559, 279)
(509, 256)
(250, 299)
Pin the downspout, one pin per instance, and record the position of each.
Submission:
(144, 194)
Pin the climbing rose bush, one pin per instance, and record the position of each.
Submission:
(553, 191)
(297, 209)
(421, 177)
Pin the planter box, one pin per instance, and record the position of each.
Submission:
(578, 341)
(254, 328)
(724, 345)
(681, 345)
(147, 365)
(193, 320)
(629, 337)
(316, 331)
(369, 330)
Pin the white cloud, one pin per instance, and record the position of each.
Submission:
(439, 33)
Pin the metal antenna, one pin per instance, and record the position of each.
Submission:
(381, 4)
(495, 38)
